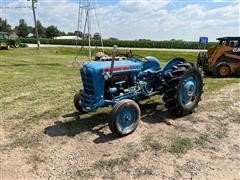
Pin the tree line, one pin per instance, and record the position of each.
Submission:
(47, 35)
(23, 30)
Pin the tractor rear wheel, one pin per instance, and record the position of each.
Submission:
(124, 118)
(16, 45)
(77, 102)
(223, 70)
(185, 87)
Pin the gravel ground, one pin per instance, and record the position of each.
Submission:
(203, 145)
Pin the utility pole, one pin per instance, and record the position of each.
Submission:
(87, 6)
(35, 22)
(89, 35)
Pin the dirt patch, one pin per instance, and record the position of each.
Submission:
(203, 145)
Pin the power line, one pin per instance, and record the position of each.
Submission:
(16, 7)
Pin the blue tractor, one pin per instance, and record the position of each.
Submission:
(121, 84)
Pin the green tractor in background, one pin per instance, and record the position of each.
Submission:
(6, 42)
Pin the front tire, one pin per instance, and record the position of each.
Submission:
(124, 118)
(77, 102)
(185, 87)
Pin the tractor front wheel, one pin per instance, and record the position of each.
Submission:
(185, 89)
(77, 102)
(124, 118)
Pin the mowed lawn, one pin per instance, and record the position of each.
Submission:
(41, 84)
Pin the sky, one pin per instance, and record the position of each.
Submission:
(138, 19)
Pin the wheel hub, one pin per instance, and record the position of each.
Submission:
(224, 70)
(191, 90)
(126, 119)
(188, 91)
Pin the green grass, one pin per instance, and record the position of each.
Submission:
(215, 84)
(152, 143)
(180, 146)
(110, 164)
(39, 85)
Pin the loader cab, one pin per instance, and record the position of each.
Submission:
(232, 42)
(222, 60)
(224, 44)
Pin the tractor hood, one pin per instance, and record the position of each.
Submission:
(100, 67)
(93, 72)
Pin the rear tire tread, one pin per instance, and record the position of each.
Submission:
(170, 96)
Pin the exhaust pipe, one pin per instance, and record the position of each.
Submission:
(114, 52)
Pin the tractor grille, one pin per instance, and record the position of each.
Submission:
(88, 84)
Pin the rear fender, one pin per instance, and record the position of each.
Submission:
(170, 64)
